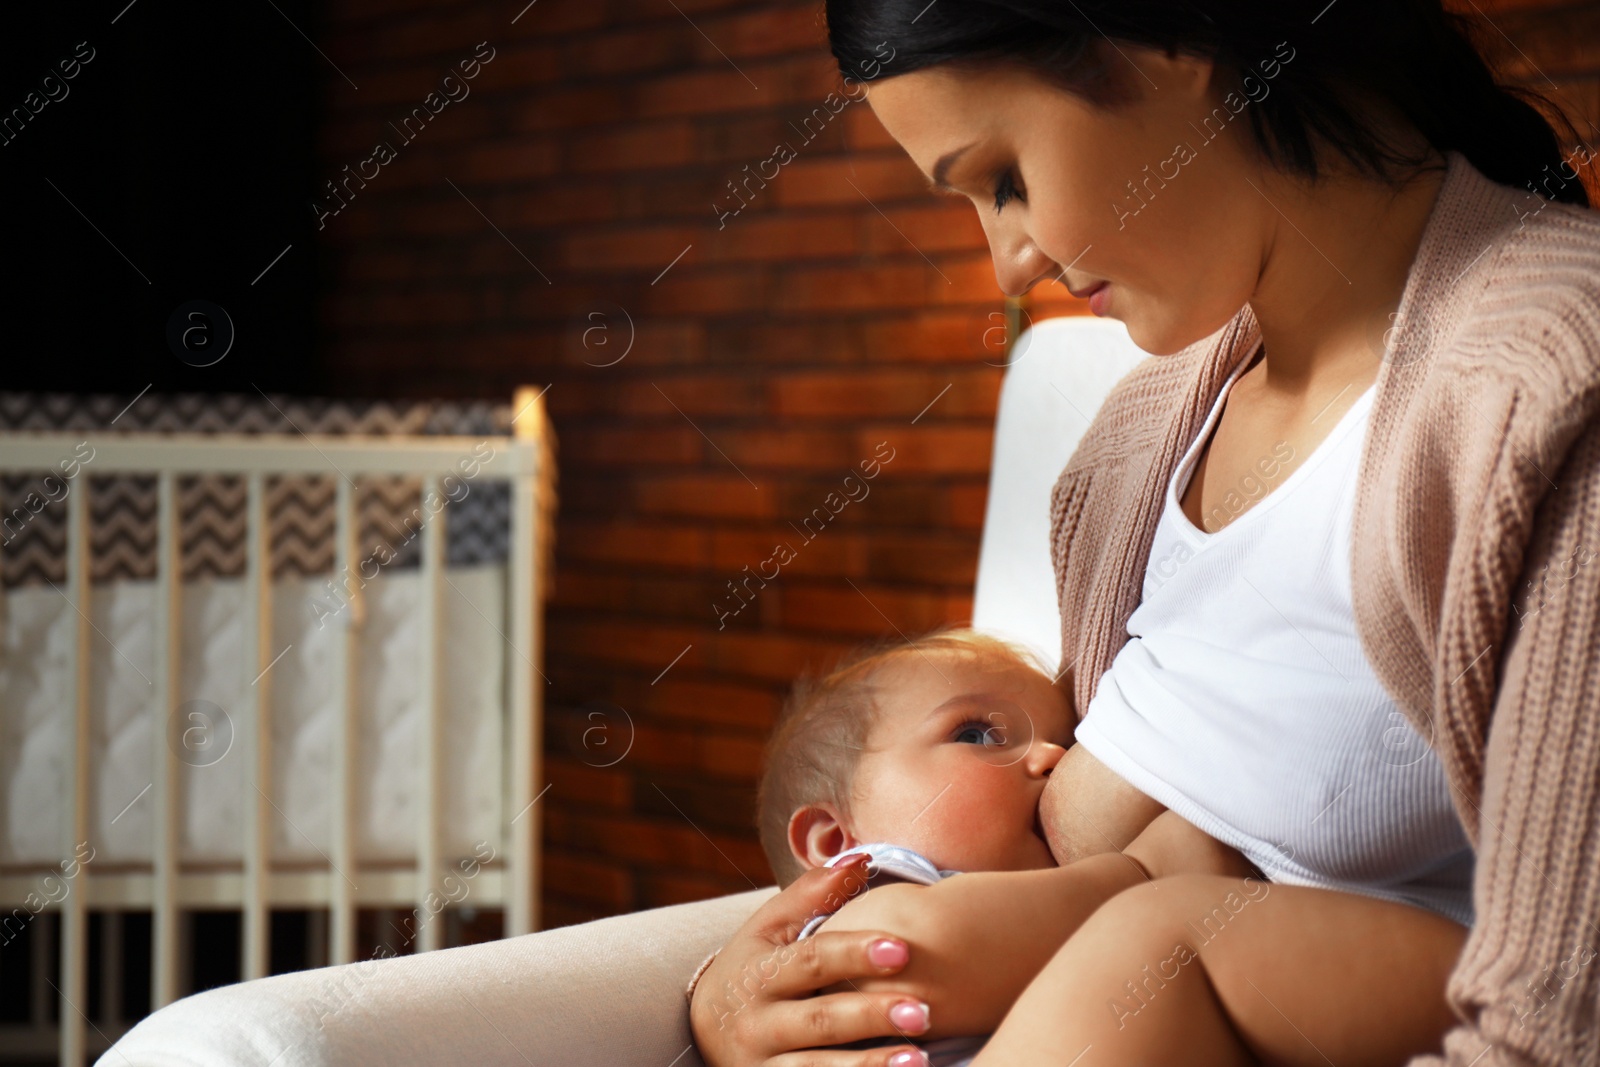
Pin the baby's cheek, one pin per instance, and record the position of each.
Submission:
(974, 828)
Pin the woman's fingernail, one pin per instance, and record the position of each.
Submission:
(909, 1059)
(855, 859)
(887, 953)
(911, 1016)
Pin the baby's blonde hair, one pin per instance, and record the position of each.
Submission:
(824, 727)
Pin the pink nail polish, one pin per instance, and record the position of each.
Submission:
(886, 953)
(911, 1016)
(909, 1059)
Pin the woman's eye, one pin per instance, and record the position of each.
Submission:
(1004, 190)
(981, 734)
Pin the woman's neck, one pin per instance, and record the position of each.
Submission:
(1333, 269)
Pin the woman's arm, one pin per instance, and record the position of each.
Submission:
(978, 939)
(1527, 983)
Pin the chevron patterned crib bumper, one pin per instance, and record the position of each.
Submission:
(37, 633)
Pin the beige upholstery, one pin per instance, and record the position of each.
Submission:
(608, 993)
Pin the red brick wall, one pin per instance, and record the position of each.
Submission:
(767, 361)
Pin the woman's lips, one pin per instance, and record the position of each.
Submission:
(1095, 294)
(1098, 297)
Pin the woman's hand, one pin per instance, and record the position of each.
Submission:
(759, 998)
(977, 939)
(1172, 844)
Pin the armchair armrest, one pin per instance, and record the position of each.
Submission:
(609, 991)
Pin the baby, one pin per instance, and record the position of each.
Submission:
(930, 756)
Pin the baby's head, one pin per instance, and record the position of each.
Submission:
(940, 745)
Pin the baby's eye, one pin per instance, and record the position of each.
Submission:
(985, 734)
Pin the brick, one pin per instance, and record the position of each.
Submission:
(647, 647)
(797, 341)
(708, 803)
(863, 131)
(547, 205)
(773, 31)
(589, 879)
(836, 395)
(933, 558)
(790, 449)
(860, 288)
(705, 496)
(711, 702)
(687, 290)
(633, 446)
(507, 160)
(652, 147)
(784, 240)
(660, 843)
(839, 609)
(661, 46)
(968, 505)
(858, 182)
(964, 280)
(936, 449)
(641, 248)
(653, 544)
(701, 92)
(772, 657)
(829, 551)
(926, 230)
(568, 107)
(660, 890)
(590, 589)
(687, 398)
(729, 756)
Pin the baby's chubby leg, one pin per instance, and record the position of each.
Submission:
(1211, 970)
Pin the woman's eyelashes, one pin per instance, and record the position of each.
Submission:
(1005, 189)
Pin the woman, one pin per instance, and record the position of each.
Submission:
(1385, 228)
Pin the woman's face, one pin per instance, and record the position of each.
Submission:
(1134, 195)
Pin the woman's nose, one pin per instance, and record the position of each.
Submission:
(1019, 265)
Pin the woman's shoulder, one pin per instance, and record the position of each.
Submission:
(1534, 316)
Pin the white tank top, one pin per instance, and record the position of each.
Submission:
(1244, 703)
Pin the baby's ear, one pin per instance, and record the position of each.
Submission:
(817, 834)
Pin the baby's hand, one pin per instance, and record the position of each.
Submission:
(1173, 845)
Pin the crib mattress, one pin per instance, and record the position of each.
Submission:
(36, 719)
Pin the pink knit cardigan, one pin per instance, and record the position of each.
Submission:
(1476, 521)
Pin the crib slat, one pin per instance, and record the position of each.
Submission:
(342, 929)
(74, 911)
(257, 739)
(170, 733)
(527, 728)
(428, 842)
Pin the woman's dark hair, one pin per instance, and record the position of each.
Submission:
(1410, 54)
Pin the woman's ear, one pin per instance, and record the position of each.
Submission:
(817, 833)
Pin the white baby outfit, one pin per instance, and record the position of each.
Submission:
(891, 863)
(1244, 702)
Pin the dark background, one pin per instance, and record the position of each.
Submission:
(189, 141)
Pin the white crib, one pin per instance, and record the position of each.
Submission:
(410, 764)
